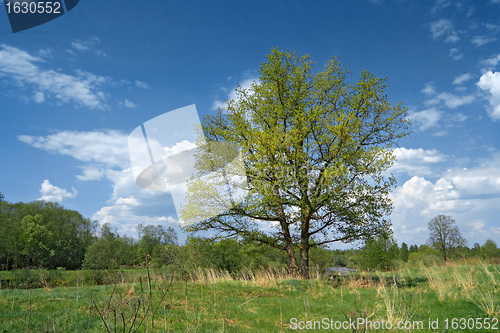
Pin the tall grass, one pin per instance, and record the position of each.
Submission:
(399, 306)
(485, 292)
(472, 281)
(438, 281)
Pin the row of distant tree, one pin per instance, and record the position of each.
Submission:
(45, 234)
(384, 253)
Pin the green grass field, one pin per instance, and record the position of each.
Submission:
(264, 301)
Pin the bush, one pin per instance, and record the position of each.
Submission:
(428, 260)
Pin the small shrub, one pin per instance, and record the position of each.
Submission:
(427, 260)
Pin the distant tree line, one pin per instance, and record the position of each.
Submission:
(46, 235)
(43, 234)
(445, 242)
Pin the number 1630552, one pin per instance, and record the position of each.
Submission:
(26, 7)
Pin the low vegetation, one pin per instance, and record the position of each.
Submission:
(263, 300)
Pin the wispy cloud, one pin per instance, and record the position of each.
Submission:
(440, 4)
(444, 27)
(84, 45)
(416, 161)
(425, 119)
(482, 40)
(87, 45)
(451, 101)
(429, 89)
(491, 62)
(455, 54)
(141, 84)
(452, 38)
(128, 104)
(461, 78)
(82, 88)
(91, 172)
(109, 148)
(440, 27)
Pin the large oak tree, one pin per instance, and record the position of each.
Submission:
(316, 150)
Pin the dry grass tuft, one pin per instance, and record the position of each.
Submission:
(264, 277)
(471, 280)
(210, 275)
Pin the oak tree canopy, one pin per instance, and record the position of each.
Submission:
(316, 150)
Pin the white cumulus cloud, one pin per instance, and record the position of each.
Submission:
(55, 194)
(490, 82)
(470, 195)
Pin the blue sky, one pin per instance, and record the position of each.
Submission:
(73, 89)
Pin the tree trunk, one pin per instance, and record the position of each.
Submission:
(304, 249)
(304, 261)
(290, 251)
(292, 260)
(443, 247)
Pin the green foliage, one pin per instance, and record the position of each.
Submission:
(157, 246)
(428, 260)
(153, 240)
(224, 254)
(42, 234)
(256, 255)
(476, 250)
(100, 255)
(379, 253)
(34, 241)
(425, 249)
(490, 250)
(427, 256)
(323, 258)
(404, 252)
(228, 254)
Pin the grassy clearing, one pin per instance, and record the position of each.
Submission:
(253, 301)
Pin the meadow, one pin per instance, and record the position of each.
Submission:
(457, 297)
